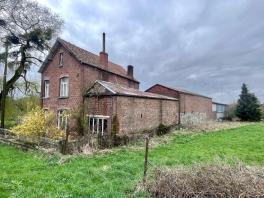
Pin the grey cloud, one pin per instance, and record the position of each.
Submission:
(209, 47)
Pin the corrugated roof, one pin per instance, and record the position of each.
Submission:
(117, 89)
(89, 58)
(179, 90)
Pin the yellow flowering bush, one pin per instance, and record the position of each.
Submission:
(37, 123)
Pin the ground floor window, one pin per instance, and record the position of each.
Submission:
(98, 124)
(62, 119)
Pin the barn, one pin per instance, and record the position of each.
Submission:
(193, 107)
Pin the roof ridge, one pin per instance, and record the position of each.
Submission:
(133, 89)
(63, 40)
(179, 90)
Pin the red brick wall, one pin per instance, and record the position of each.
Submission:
(163, 91)
(71, 68)
(134, 114)
(139, 114)
(80, 78)
(192, 103)
(188, 103)
(100, 106)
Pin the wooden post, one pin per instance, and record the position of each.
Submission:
(65, 146)
(146, 161)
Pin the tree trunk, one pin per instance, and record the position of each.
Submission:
(7, 85)
(4, 93)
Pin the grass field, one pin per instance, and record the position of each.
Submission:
(116, 174)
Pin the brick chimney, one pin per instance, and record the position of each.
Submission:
(130, 72)
(104, 55)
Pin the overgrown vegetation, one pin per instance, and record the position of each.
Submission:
(79, 121)
(17, 108)
(117, 173)
(215, 180)
(37, 123)
(162, 129)
(230, 114)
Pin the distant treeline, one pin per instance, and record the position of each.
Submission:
(16, 108)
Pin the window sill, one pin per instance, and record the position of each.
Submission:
(63, 97)
(45, 98)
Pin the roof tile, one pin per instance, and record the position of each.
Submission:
(118, 89)
(93, 59)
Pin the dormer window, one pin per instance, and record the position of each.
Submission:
(61, 59)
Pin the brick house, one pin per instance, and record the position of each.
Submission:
(193, 107)
(68, 70)
(72, 78)
(135, 110)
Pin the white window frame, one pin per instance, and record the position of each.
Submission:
(46, 88)
(61, 59)
(64, 87)
(62, 119)
(98, 118)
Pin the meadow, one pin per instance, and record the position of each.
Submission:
(117, 173)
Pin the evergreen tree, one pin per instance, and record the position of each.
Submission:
(248, 107)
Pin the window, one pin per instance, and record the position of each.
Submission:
(64, 87)
(46, 88)
(61, 59)
(214, 108)
(220, 108)
(98, 124)
(62, 120)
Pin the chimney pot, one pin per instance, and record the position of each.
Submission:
(130, 71)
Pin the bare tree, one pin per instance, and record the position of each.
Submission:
(27, 30)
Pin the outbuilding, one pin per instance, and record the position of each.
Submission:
(194, 108)
(127, 111)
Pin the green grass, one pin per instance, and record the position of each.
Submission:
(116, 174)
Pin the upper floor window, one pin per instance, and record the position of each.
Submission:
(61, 59)
(46, 88)
(64, 87)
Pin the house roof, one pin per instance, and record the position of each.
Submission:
(86, 57)
(179, 90)
(119, 90)
(218, 103)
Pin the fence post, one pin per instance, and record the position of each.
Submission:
(146, 161)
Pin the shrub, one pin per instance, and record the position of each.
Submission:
(79, 120)
(162, 129)
(37, 124)
(213, 180)
(10, 123)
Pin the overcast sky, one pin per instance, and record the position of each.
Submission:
(209, 47)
